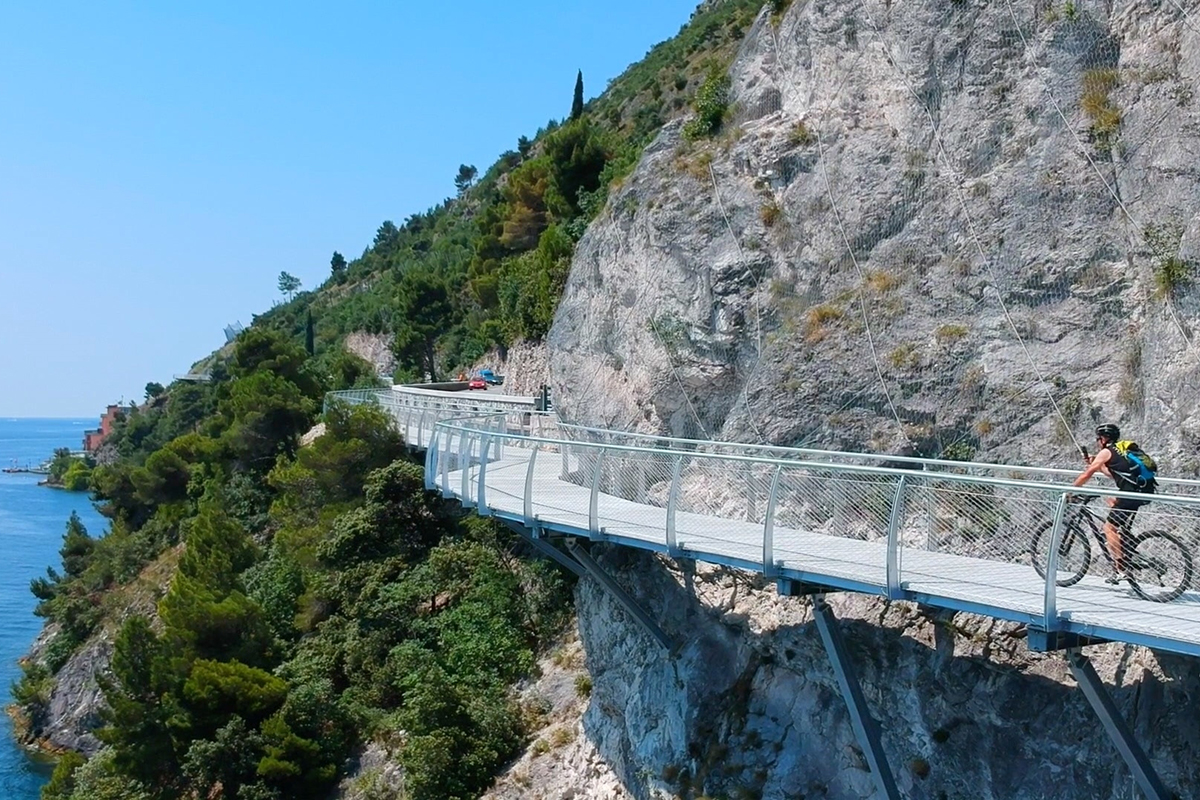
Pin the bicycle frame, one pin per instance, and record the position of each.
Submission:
(1096, 523)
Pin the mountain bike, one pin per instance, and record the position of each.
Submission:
(1158, 564)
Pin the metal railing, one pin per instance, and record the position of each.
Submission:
(952, 534)
(942, 534)
(417, 410)
(399, 400)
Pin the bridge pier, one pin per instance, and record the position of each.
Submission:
(866, 728)
(581, 563)
(1114, 724)
(621, 596)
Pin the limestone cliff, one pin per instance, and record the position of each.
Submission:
(955, 210)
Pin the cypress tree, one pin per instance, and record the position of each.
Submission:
(308, 333)
(577, 103)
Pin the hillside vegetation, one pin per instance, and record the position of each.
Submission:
(319, 597)
(486, 268)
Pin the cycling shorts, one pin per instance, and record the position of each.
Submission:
(1121, 515)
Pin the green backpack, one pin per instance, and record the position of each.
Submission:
(1144, 465)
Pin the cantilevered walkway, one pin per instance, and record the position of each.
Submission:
(946, 534)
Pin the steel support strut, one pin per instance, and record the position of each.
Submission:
(621, 596)
(1118, 730)
(866, 729)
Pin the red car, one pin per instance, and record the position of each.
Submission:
(477, 383)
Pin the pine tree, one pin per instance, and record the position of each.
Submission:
(337, 267)
(288, 284)
(577, 103)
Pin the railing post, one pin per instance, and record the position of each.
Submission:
(1050, 607)
(769, 569)
(421, 428)
(444, 458)
(464, 461)
(930, 521)
(529, 487)
(893, 540)
(431, 459)
(481, 508)
(594, 502)
(672, 502)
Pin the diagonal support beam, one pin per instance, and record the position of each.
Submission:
(866, 729)
(549, 550)
(621, 596)
(1118, 730)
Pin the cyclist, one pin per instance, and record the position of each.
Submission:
(1120, 518)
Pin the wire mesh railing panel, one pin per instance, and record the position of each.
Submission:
(719, 488)
(833, 523)
(974, 520)
(835, 504)
(1155, 549)
(639, 476)
(975, 541)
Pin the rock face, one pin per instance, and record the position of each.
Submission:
(71, 714)
(949, 224)
(922, 221)
(74, 711)
(562, 761)
(375, 349)
(750, 706)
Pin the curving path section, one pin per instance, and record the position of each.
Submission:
(947, 534)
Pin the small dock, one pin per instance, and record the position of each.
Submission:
(15, 469)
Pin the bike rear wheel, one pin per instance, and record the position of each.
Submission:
(1074, 552)
(1159, 566)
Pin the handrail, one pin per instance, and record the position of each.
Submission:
(472, 406)
(914, 460)
(859, 469)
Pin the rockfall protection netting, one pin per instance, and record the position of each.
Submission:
(950, 224)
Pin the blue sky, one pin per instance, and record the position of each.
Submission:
(160, 164)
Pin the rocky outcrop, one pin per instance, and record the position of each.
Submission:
(375, 349)
(525, 367)
(374, 773)
(562, 761)
(70, 715)
(919, 224)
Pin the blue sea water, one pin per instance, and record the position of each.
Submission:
(32, 521)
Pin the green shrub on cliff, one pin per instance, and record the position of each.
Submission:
(710, 104)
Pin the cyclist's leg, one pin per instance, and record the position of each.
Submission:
(1117, 528)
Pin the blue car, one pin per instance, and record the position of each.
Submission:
(491, 377)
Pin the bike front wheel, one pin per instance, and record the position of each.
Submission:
(1159, 566)
(1074, 552)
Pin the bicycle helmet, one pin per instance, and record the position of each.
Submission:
(1108, 431)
